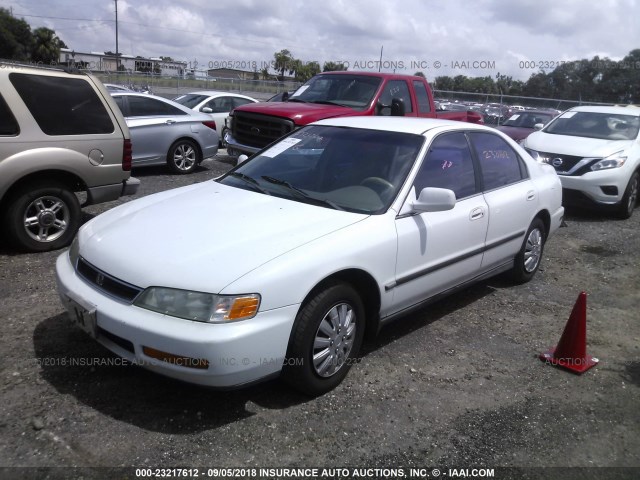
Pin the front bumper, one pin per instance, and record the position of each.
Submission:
(234, 146)
(590, 185)
(235, 354)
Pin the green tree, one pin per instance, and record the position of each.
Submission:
(283, 62)
(419, 74)
(46, 46)
(16, 40)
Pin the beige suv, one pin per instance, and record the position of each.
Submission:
(60, 134)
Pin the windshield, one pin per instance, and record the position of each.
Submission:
(606, 126)
(527, 119)
(349, 169)
(355, 91)
(190, 100)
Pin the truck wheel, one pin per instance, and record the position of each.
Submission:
(43, 216)
(328, 333)
(183, 156)
(528, 259)
(630, 198)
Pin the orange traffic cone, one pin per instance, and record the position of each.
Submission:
(571, 351)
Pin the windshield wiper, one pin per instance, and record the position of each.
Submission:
(251, 181)
(328, 102)
(301, 193)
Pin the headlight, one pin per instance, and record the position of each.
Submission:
(198, 306)
(537, 156)
(74, 252)
(615, 160)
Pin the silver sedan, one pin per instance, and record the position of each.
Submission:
(163, 131)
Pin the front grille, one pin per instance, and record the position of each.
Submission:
(568, 161)
(106, 283)
(257, 130)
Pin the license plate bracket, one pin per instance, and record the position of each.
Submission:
(82, 313)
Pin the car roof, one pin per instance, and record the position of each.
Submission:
(156, 97)
(629, 110)
(400, 124)
(216, 93)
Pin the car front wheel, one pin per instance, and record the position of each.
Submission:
(328, 333)
(630, 198)
(528, 259)
(43, 216)
(183, 156)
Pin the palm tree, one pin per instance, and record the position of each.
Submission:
(46, 46)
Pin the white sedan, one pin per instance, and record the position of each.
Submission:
(335, 230)
(596, 152)
(216, 104)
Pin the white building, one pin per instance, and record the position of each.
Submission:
(109, 62)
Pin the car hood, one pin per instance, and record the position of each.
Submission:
(577, 146)
(517, 133)
(202, 237)
(300, 113)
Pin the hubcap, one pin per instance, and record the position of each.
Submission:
(334, 339)
(46, 219)
(533, 250)
(184, 156)
(633, 195)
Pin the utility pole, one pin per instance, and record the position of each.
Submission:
(117, 56)
(380, 64)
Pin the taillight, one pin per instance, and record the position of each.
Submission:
(211, 124)
(126, 155)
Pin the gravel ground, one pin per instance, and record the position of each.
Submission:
(457, 385)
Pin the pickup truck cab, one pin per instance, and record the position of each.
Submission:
(331, 95)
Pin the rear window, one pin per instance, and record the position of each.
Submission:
(8, 124)
(62, 106)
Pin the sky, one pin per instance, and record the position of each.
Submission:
(437, 37)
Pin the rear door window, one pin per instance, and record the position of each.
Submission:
(499, 163)
(8, 124)
(422, 97)
(62, 106)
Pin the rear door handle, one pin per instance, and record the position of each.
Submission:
(170, 122)
(476, 213)
(531, 195)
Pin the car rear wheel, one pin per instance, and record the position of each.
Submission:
(528, 259)
(328, 333)
(183, 156)
(630, 198)
(43, 216)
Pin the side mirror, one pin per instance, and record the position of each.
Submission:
(285, 96)
(242, 158)
(206, 110)
(397, 107)
(538, 126)
(382, 109)
(434, 199)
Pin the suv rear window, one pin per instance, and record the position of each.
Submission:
(8, 124)
(62, 106)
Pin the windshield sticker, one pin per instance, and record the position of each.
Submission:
(514, 117)
(568, 115)
(495, 154)
(285, 144)
(300, 91)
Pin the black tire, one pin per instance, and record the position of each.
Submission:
(55, 216)
(183, 156)
(316, 378)
(529, 257)
(630, 197)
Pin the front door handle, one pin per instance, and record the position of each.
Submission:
(476, 213)
(170, 122)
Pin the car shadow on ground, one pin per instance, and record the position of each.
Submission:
(595, 215)
(76, 365)
(163, 170)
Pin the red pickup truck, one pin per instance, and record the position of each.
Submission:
(334, 94)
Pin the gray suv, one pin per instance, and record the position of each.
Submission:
(60, 134)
